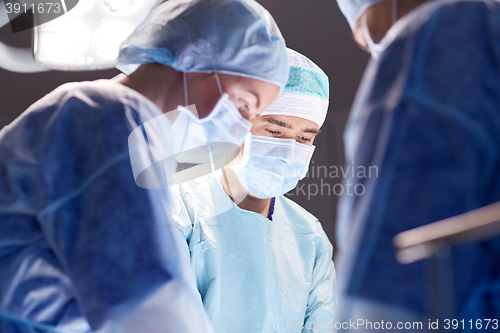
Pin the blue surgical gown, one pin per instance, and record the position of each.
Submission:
(81, 245)
(254, 274)
(427, 119)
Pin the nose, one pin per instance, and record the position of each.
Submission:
(248, 115)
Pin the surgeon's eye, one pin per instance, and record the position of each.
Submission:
(273, 132)
(304, 139)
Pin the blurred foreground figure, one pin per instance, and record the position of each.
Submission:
(263, 263)
(427, 115)
(82, 246)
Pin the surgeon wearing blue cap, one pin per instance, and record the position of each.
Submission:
(427, 115)
(263, 263)
(84, 246)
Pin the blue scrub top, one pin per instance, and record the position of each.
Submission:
(427, 115)
(254, 274)
(80, 242)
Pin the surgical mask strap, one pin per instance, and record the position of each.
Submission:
(185, 89)
(394, 11)
(218, 84)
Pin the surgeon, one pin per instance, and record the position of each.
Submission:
(263, 263)
(82, 246)
(427, 115)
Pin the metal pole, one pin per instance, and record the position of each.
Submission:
(442, 304)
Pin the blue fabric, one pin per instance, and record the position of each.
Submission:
(24, 325)
(254, 274)
(80, 242)
(271, 209)
(427, 115)
(236, 37)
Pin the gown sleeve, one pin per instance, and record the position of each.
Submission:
(429, 123)
(180, 214)
(322, 303)
(115, 240)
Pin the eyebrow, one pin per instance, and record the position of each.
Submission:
(283, 124)
(277, 122)
(312, 130)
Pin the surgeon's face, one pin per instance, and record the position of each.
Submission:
(379, 19)
(250, 96)
(286, 127)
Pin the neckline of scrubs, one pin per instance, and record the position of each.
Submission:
(218, 174)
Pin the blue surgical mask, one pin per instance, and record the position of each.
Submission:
(271, 167)
(219, 134)
(157, 147)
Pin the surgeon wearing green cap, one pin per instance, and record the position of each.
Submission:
(263, 263)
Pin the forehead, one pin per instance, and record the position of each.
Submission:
(251, 84)
(290, 120)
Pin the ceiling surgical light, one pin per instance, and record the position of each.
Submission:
(15, 59)
(59, 45)
(107, 38)
(80, 8)
(65, 42)
(86, 38)
(122, 7)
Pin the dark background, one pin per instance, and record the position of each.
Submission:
(315, 28)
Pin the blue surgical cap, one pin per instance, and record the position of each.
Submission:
(237, 37)
(354, 9)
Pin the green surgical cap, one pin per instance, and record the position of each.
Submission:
(307, 91)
